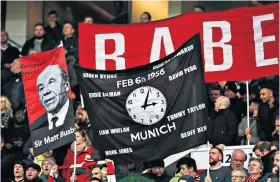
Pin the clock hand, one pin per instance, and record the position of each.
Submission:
(152, 104)
(146, 101)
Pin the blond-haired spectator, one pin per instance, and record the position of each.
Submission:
(6, 111)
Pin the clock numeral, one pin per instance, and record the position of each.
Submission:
(142, 120)
(157, 117)
(162, 110)
(151, 121)
(162, 101)
(129, 109)
(134, 116)
(134, 94)
(142, 91)
(129, 102)
(157, 94)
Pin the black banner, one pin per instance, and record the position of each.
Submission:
(151, 111)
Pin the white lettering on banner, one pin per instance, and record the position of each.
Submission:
(111, 152)
(181, 73)
(200, 155)
(94, 95)
(196, 108)
(161, 33)
(111, 94)
(147, 134)
(104, 132)
(49, 139)
(209, 45)
(259, 40)
(176, 115)
(119, 130)
(100, 53)
(119, 151)
(103, 76)
(124, 83)
(188, 133)
(125, 151)
(90, 75)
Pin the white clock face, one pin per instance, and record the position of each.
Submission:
(146, 105)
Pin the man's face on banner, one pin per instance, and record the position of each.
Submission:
(52, 88)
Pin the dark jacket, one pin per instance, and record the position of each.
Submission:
(35, 180)
(47, 44)
(58, 179)
(266, 120)
(222, 128)
(163, 178)
(6, 166)
(14, 91)
(237, 107)
(9, 55)
(55, 34)
(268, 161)
(71, 47)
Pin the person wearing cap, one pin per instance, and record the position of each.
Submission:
(32, 173)
(236, 104)
(268, 110)
(186, 166)
(19, 172)
(158, 172)
(218, 173)
(50, 170)
(222, 128)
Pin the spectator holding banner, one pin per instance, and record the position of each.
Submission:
(222, 129)
(49, 170)
(268, 111)
(84, 151)
(250, 134)
(40, 42)
(218, 173)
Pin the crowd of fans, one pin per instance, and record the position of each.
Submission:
(228, 123)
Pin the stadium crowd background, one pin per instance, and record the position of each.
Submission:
(227, 121)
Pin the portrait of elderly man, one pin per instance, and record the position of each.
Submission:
(52, 86)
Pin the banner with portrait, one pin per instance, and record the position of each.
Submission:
(48, 98)
(148, 112)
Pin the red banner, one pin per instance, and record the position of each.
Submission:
(47, 93)
(238, 44)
